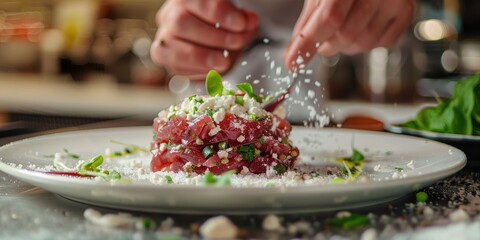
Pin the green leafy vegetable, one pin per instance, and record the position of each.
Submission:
(213, 83)
(247, 152)
(248, 89)
(460, 114)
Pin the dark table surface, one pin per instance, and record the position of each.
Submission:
(29, 212)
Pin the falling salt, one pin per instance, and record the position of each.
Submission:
(248, 76)
(307, 80)
(278, 71)
(256, 81)
(244, 63)
(317, 45)
(301, 71)
(225, 53)
(317, 83)
(299, 59)
(309, 71)
(266, 40)
(311, 94)
(217, 25)
(272, 64)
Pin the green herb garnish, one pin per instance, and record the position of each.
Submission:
(223, 145)
(350, 222)
(421, 197)
(207, 152)
(239, 100)
(261, 141)
(169, 179)
(210, 179)
(280, 169)
(213, 83)
(93, 163)
(247, 152)
(248, 89)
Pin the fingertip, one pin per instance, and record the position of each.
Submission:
(252, 20)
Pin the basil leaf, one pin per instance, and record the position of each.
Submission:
(248, 89)
(460, 114)
(213, 83)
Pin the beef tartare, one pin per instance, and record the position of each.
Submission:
(222, 131)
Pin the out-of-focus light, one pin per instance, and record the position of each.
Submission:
(449, 60)
(430, 30)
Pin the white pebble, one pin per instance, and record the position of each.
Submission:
(271, 223)
(459, 215)
(219, 227)
(369, 234)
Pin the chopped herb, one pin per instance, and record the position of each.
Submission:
(187, 150)
(209, 113)
(248, 89)
(261, 141)
(239, 100)
(314, 174)
(213, 83)
(337, 180)
(421, 197)
(169, 179)
(285, 140)
(207, 152)
(217, 164)
(357, 156)
(93, 163)
(252, 117)
(148, 224)
(398, 169)
(210, 179)
(195, 109)
(129, 149)
(223, 145)
(192, 97)
(247, 152)
(71, 155)
(350, 222)
(280, 169)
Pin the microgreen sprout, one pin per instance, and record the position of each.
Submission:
(210, 179)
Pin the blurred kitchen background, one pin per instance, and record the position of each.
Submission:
(72, 62)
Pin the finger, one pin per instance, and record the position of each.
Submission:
(396, 28)
(218, 11)
(322, 24)
(358, 18)
(175, 53)
(378, 24)
(186, 26)
(308, 7)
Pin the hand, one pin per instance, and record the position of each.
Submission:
(329, 27)
(193, 35)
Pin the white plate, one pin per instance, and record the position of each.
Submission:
(431, 161)
(443, 137)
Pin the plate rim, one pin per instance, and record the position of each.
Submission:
(394, 128)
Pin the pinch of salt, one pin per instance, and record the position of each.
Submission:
(225, 53)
